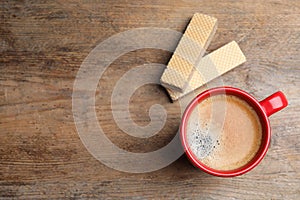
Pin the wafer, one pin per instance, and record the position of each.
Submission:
(189, 52)
(211, 66)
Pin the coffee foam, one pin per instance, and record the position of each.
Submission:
(224, 132)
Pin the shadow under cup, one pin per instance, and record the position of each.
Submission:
(262, 109)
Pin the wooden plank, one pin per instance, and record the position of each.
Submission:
(42, 45)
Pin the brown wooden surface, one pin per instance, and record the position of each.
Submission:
(42, 46)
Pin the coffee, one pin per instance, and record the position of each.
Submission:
(224, 132)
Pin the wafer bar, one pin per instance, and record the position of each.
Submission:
(189, 52)
(211, 66)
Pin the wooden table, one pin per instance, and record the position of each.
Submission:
(42, 46)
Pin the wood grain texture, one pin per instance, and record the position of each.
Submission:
(42, 45)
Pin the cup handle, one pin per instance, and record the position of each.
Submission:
(274, 103)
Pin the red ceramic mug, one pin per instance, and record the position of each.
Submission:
(264, 109)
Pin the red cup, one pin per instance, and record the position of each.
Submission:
(264, 109)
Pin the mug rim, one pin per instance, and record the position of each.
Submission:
(257, 108)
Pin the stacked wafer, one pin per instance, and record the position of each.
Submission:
(187, 70)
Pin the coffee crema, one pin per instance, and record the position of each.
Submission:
(224, 132)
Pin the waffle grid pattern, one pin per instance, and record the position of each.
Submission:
(211, 66)
(190, 49)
